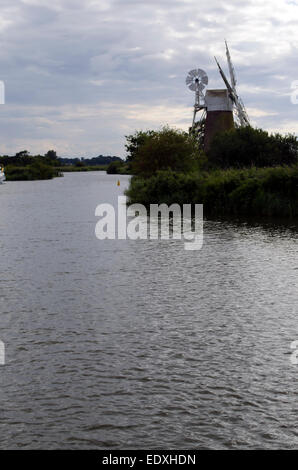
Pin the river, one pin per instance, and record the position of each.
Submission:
(122, 344)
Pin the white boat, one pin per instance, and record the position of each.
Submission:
(2, 175)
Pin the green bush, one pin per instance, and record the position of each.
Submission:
(167, 149)
(118, 168)
(246, 147)
(114, 168)
(35, 171)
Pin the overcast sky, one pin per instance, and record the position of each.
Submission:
(80, 74)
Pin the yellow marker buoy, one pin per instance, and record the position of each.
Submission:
(118, 183)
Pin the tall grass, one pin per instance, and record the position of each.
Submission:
(270, 192)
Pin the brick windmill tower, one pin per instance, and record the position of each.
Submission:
(221, 110)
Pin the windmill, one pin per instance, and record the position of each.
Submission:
(222, 109)
(196, 81)
(217, 107)
(242, 119)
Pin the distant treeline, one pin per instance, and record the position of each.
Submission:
(22, 166)
(100, 160)
(24, 158)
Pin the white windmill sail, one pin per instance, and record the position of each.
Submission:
(231, 68)
(241, 113)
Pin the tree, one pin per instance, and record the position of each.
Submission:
(135, 141)
(167, 149)
(23, 153)
(51, 155)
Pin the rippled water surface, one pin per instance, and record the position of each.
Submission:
(141, 344)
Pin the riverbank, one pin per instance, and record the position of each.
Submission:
(35, 171)
(40, 171)
(72, 168)
(23, 166)
(113, 168)
(268, 192)
(245, 173)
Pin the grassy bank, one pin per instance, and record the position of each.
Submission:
(268, 192)
(35, 171)
(71, 168)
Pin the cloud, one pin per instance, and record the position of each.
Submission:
(81, 75)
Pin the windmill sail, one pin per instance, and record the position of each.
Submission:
(230, 89)
(231, 69)
(238, 104)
